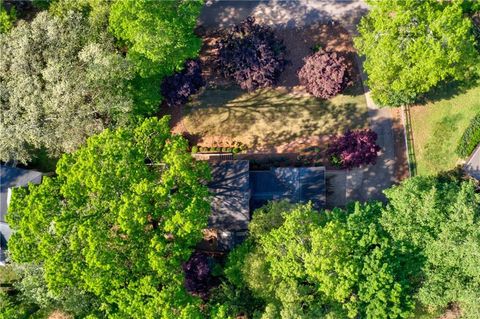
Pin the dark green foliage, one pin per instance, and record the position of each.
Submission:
(251, 55)
(470, 138)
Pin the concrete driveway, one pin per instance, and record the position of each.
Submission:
(283, 13)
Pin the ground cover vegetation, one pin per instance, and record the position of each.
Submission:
(411, 47)
(438, 127)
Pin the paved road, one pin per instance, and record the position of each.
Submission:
(360, 184)
(473, 165)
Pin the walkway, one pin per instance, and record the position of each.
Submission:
(360, 184)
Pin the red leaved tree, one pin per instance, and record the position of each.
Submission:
(324, 74)
(251, 55)
(353, 149)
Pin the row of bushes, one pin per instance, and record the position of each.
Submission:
(201, 149)
(470, 138)
(252, 56)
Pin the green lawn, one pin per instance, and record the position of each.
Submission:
(269, 118)
(438, 126)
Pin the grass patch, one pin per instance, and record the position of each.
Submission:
(438, 127)
(271, 117)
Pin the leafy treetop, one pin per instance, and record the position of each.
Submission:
(412, 46)
(118, 221)
(159, 34)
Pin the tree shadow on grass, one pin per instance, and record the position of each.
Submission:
(437, 151)
(448, 90)
(268, 118)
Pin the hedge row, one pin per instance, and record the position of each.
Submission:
(470, 138)
(201, 149)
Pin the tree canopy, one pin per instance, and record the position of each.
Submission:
(159, 34)
(413, 46)
(299, 263)
(58, 87)
(118, 221)
(439, 219)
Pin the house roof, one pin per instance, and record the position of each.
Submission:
(230, 195)
(296, 184)
(11, 177)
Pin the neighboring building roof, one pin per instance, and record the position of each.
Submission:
(472, 167)
(11, 177)
(298, 185)
(231, 195)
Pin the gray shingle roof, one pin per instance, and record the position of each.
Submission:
(230, 195)
(298, 185)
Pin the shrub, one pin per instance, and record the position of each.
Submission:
(197, 274)
(177, 88)
(251, 55)
(324, 74)
(354, 148)
(7, 18)
(236, 150)
(470, 138)
(194, 149)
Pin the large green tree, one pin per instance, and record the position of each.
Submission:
(412, 46)
(57, 87)
(299, 263)
(117, 221)
(438, 218)
(159, 34)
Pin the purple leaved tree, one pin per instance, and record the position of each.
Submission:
(251, 55)
(353, 149)
(177, 88)
(324, 74)
(197, 275)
